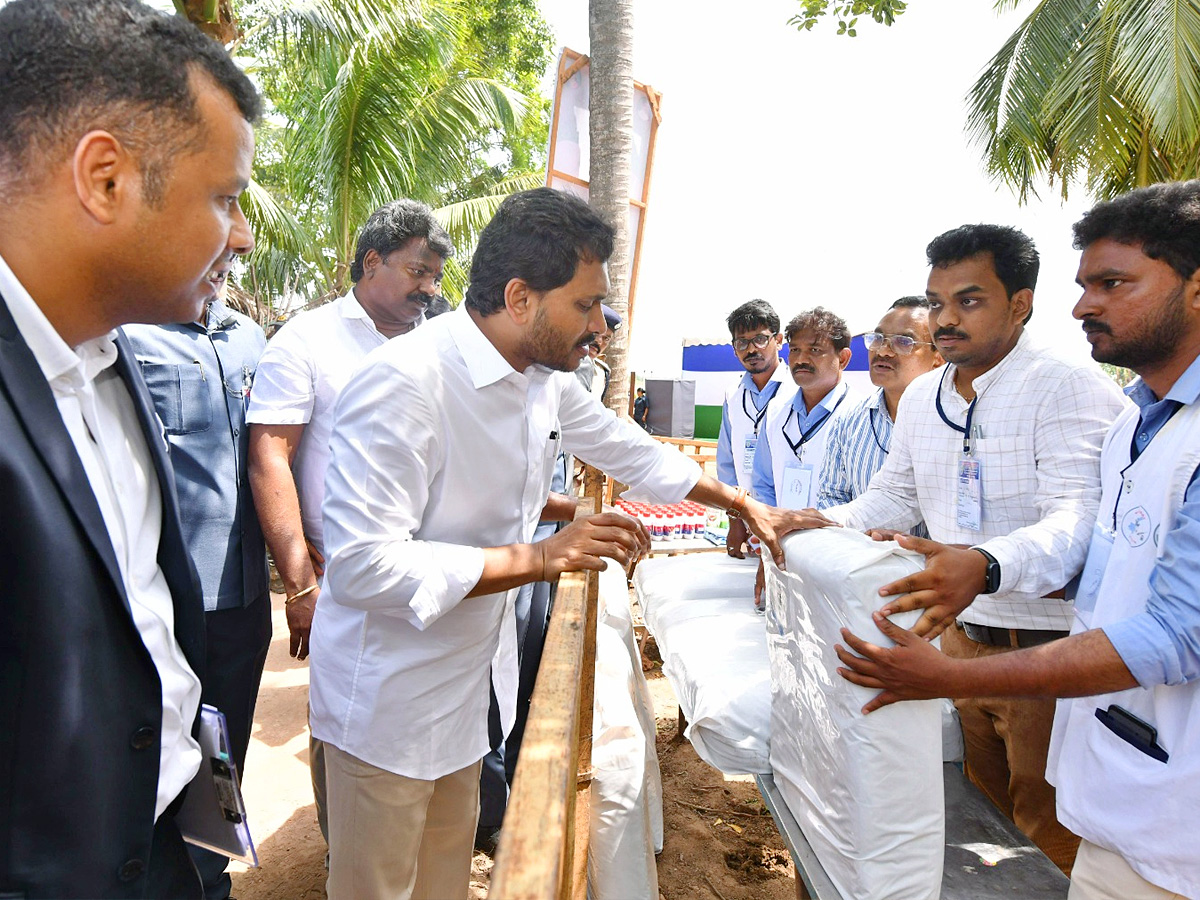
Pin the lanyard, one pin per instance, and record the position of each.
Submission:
(757, 417)
(874, 433)
(965, 431)
(805, 437)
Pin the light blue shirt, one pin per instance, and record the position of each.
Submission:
(855, 450)
(199, 378)
(726, 470)
(1162, 645)
(763, 476)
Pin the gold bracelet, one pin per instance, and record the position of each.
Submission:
(288, 601)
(737, 507)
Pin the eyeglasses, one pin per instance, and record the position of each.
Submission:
(901, 343)
(740, 345)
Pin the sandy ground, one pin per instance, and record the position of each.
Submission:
(720, 842)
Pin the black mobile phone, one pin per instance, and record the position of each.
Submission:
(1133, 730)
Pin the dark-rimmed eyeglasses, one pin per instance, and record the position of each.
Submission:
(740, 345)
(901, 343)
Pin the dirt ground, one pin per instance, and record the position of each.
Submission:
(719, 842)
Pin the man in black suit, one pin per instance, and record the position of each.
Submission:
(125, 140)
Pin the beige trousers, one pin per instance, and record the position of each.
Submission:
(1007, 740)
(1103, 875)
(398, 838)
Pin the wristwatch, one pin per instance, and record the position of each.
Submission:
(992, 574)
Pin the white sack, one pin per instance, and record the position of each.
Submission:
(700, 609)
(626, 791)
(866, 790)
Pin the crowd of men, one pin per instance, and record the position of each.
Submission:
(146, 468)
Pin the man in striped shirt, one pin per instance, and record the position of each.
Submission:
(901, 348)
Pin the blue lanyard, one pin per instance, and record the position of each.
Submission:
(965, 431)
(760, 414)
(874, 433)
(806, 436)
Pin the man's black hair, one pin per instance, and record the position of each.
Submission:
(538, 236)
(1014, 256)
(824, 323)
(751, 315)
(913, 302)
(393, 225)
(1164, 219)
(72, 66)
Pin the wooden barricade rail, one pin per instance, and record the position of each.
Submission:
(544, 842)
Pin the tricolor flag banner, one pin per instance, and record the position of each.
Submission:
(715, 369)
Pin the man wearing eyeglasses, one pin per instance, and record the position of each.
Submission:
(900, 349)
(397, 271)
(754, 329)
(998, 452)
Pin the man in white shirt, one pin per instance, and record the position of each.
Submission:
(756, 339)
(998, 452)
(125, 139)
(440, 464)
(1124, 754)
(397, 271)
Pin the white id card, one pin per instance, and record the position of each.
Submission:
(970, 497)
(1093, 573)
(748, 455)
(796, 490)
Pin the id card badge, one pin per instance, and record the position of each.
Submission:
(797, 487)
(970, 497)
(748, 455)
(1093, 572)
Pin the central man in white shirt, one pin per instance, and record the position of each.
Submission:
(441, 460)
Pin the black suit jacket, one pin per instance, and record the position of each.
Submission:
(80, 698)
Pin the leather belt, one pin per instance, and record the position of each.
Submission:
(1008, 637)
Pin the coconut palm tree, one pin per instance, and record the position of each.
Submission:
(1100, 92)
(610, 27)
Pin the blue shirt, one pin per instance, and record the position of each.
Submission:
(1162, 645)
(855, 450)
(726, 471)
(763, 475)
(200, 380)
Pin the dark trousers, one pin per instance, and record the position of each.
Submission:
(238, 640)
(534, 602)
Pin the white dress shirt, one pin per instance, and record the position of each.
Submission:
(440, 449)
(100, 417)
(1041, 422)
(299, 378)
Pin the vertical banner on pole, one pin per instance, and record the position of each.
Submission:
(568, 166)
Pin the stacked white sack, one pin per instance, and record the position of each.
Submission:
(700, 609)
(866, 790)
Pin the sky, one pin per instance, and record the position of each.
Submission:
(809, 169)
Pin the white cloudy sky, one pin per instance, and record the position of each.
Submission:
(810, 169)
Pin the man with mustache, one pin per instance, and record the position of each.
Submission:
(998, 453)
(900, 349)
(441, 461)
(199, 375)
(1125, 755)
(397, 271)
(754, 333)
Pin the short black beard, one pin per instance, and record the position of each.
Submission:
(1159, 337)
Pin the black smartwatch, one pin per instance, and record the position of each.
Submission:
(992, 574)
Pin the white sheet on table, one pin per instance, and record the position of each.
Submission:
(626, 792)
(700, 610)
(866, 790)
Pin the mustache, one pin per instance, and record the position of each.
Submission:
(1094, 326)
(950, 332)
(804, 367)
(420, 297)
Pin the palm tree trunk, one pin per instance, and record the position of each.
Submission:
(611, 135)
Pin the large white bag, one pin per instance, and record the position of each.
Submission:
(866, 790)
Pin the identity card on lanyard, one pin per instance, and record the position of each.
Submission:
(796, 490)
(752, 439)
(969, 493)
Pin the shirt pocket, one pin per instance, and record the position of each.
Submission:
(180, 395)
(1009, 472)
